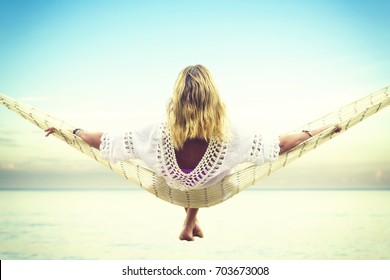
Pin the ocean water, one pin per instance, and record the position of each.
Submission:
(277, 225)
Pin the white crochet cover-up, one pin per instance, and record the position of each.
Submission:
(154, 146)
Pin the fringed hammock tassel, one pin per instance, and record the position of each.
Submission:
(241, 177)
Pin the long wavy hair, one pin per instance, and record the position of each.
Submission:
(196, 110)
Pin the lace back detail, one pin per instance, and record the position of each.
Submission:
(210, 163)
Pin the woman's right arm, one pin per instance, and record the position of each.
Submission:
(92, 138)
(290, 141)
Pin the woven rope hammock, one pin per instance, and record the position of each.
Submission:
(241, 177)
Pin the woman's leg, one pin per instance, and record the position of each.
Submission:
(191, 226)
(197, 231)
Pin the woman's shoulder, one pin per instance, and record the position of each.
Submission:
(150, 129)
(240, 134)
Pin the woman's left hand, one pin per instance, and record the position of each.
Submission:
(337, 128)
(50, 130)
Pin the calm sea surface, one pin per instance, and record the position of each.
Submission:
(253, 225)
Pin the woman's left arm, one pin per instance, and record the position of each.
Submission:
(290, 141)
(91, 138)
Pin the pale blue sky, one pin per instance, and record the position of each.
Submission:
(112, 64)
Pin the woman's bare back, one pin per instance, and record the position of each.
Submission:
(191, 154)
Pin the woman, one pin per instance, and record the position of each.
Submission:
(196, 146)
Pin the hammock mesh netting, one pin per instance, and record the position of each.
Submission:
(241, 177)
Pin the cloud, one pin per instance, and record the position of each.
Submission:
(9, 166)
(332, 175)
(379, 176)
(41, 179)
(33, 98)
(8, 142)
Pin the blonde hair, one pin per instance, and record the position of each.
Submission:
(195, 110)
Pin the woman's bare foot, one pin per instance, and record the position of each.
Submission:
(191, 226)
(190, 231)
(197, 231)
(186, 234)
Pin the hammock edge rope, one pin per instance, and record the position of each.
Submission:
(241, 177)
